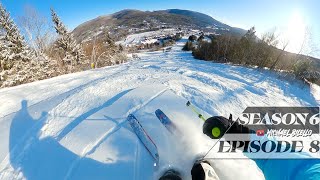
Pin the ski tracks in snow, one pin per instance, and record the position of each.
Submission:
(90, 148)
(46, 105)
(56, 98)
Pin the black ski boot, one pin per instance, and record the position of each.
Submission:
(202, 170)
(171, 175)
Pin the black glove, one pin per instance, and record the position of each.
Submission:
(215, 127)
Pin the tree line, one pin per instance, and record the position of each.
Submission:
(249, 50)
(34, 51)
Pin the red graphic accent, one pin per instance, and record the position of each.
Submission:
(260, 132)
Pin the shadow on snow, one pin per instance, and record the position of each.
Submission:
(47, 159)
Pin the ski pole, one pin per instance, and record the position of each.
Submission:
(194, 109)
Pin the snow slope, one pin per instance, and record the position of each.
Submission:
(74, 126)
(146, 37)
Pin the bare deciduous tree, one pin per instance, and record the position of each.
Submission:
(283, 44)
(38, 32)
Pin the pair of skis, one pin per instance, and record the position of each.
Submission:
(143, 135)
(152, 147)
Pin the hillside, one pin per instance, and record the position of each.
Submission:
(128, 21)
(79, 129)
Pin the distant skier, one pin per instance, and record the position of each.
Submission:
(273, 169)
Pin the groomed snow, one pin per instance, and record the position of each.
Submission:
(74, 126)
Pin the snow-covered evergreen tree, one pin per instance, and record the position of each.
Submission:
(15, 46)
(14, 53)
(4, 52)
(73, 53)
(18, 63)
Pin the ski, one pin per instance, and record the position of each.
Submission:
(144, 137)
(166, 121)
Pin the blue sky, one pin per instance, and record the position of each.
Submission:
(285, 15)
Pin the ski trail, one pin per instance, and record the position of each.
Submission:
(84, 116)
(70, 92)
(90, 149)
(216, 89)
(53, 101)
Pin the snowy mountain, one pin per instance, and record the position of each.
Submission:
(74, 126)
(130, 21)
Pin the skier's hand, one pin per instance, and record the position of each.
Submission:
(215, 127)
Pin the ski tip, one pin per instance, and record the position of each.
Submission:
(131, 116)
(157, 111)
